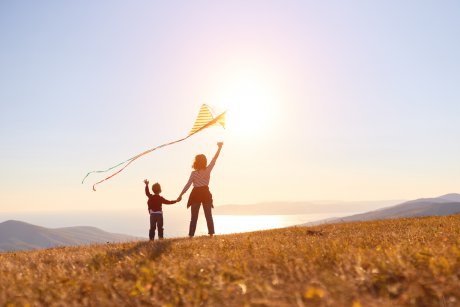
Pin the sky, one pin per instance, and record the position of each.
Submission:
(326, 100)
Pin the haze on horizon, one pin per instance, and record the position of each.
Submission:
(345, 101)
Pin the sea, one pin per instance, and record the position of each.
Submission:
(176, 222)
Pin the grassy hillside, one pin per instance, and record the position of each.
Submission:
(405, 262)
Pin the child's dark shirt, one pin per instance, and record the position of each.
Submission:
(156, 201)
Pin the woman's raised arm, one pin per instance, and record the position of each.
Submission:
(213, 161)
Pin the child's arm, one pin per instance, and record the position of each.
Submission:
(147, 192)
(168, 202)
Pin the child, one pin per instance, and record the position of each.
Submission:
(155, 209)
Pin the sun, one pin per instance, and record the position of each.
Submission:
(250, 104)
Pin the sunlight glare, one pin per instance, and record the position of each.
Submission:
(250, 103)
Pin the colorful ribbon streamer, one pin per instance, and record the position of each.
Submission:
(204, 120)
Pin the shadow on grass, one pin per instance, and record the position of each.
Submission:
(149, 249)
(143, 249)
(315, 233)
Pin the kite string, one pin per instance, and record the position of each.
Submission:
(132, 159)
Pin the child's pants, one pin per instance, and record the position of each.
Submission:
(156, 221)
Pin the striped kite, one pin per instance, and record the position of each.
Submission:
(204, 120)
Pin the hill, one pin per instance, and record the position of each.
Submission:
(439, 206)
(16, 235)
(381, 263)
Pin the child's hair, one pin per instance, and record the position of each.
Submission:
(200, 162)
(156, 188)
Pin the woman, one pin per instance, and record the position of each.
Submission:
(200, 193)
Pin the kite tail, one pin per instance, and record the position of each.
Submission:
(117, 172)
(219, 119)
(103, 171)
(131, 161)
(110, 168)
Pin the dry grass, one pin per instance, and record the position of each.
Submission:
(385, 263)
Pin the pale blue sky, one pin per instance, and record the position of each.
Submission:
(364, 98)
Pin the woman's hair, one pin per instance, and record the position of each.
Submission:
(200, 162)
(156, 188)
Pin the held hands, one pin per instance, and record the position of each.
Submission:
(179, 199)
(146, 182)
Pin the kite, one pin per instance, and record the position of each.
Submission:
(205, 119)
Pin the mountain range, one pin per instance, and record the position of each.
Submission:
(443, 205)
(294, 208)
(16, 235)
